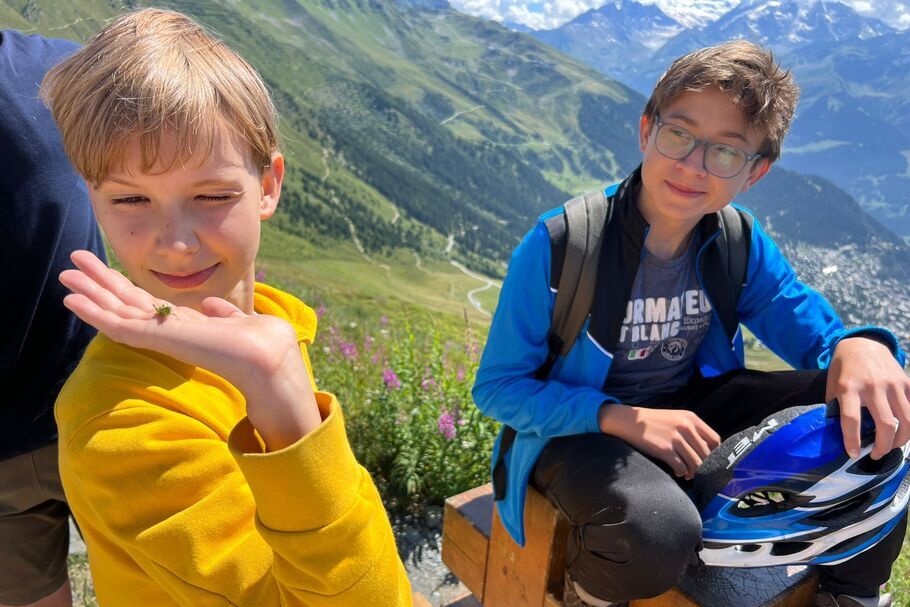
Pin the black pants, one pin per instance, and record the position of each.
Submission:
(634, 530)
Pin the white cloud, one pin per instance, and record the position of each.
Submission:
(895, 14)
(489, 9)
(539, 15)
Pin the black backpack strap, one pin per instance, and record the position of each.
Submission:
(733, 247)
(585, 217)
(736, 226)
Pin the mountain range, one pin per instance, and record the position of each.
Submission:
(699, 13)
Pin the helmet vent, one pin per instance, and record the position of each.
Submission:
(785, 548)
(843, 514)
(867, 465)
(764, 502)
(853, 542)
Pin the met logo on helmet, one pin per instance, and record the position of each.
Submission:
(745, 442)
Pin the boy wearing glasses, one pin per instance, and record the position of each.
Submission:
(656, 378)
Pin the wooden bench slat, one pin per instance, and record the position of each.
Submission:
(522, 576)
(465, 569)
(464, 531)
(674, 598)
(466, 524)
(418, 600)
(476, 505)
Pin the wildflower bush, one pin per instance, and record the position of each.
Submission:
(406, 395)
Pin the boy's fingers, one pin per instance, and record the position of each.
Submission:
(697, 442)
(220, 308)
(850, 422)
(78, 282)
(901, 406)
(112, 280)
(689, 457)
(711, 437)
(676, 463)
(885, 424)
(93, 314)
(78, 304)
(83, 258)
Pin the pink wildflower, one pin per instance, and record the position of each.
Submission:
(472, 349)
(446, 425)
(320, 311)
(348, 350)
(391, 380)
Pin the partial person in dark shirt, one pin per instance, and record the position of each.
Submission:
(46, 215)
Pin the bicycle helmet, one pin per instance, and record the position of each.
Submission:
(785, 492)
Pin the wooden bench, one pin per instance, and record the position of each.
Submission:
(498, 573)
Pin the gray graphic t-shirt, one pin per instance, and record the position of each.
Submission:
(666, 318)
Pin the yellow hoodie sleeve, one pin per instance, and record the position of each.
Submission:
(217, 524)
(321, 513)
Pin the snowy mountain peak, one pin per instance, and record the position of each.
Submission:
(695, 13)
(699, 13)
(787, 23)
(643, 26)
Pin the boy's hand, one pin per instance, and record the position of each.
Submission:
(864, 373)
(258, 354)
(676, 437)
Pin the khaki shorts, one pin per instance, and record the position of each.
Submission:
(34, 528)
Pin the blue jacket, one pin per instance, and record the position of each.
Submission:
(794, 321)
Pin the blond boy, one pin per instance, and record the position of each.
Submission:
(201, 462)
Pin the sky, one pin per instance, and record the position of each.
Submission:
(548, 14)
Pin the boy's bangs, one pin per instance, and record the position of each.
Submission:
(158, 76)
(176, 103)
(180, 142)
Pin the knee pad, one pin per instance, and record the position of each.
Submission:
(643, 556)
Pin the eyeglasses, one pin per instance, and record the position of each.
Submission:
(721, 159)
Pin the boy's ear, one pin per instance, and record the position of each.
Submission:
(644, 131)
(759, 170)
(272, 177)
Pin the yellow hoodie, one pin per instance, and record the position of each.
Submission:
(179, 505)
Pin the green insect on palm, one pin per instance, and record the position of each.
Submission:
(163, 311)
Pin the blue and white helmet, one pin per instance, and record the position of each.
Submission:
(785, 492)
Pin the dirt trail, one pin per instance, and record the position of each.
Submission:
(472, 294)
